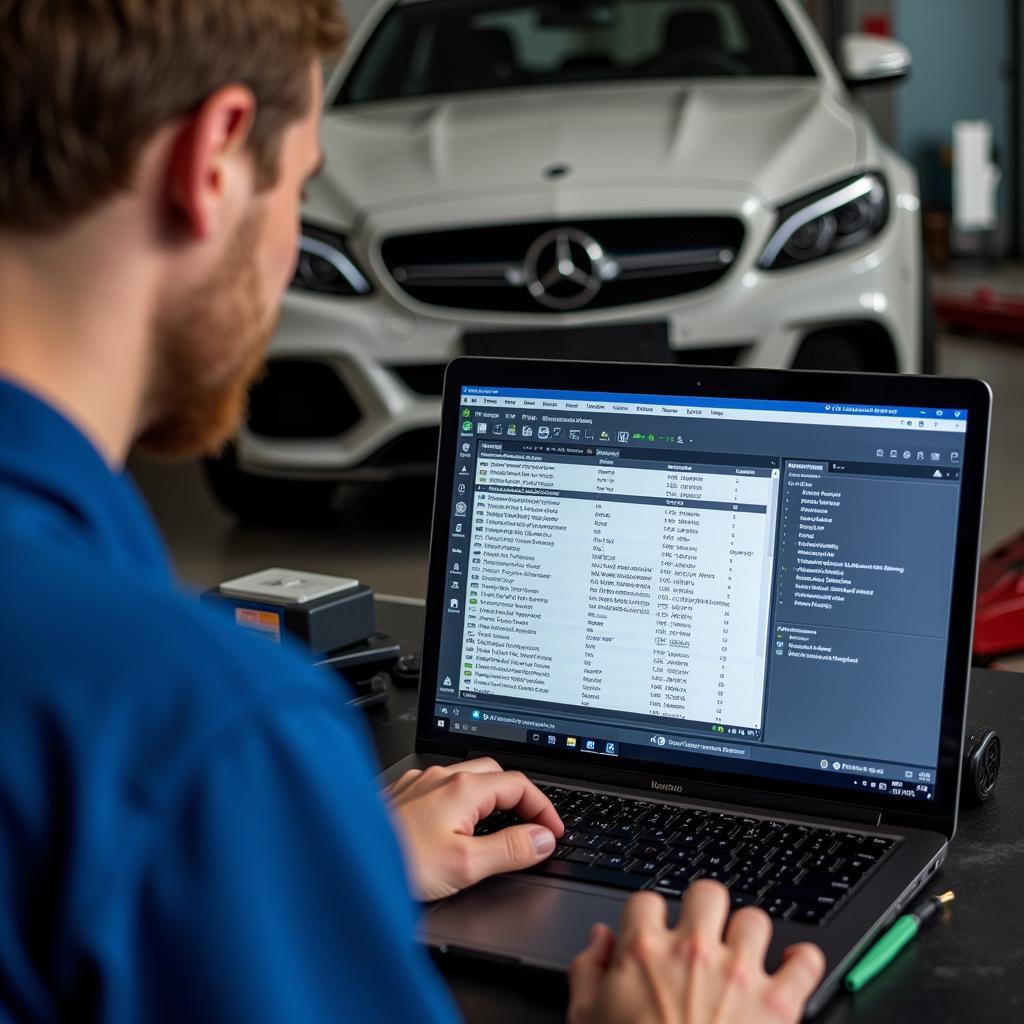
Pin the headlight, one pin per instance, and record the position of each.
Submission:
(325, 266)
(828, 221)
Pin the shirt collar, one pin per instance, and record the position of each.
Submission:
(45, 459)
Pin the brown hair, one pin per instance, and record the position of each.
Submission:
(84, 84)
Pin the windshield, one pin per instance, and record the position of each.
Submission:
(441, 46)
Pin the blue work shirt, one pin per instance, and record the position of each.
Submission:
(189, 825)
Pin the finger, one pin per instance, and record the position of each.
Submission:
(587, 972)
(644, 912)
(404, 781)
(479, 766)
(438, 774)
(510, 791)
(705, 908)
(803, 967)
(508, 849)
(748, 934)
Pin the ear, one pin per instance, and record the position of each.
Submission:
(209, 162)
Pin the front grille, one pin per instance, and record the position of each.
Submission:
(423, 378)
(301, 399)
(543, 266)
(415, 448)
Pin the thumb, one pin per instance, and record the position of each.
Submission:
(587, 972)
(510, 849)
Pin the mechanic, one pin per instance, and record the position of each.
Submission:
(189, 825)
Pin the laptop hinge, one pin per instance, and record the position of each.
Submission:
(644, 786)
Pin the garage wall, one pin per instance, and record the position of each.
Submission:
(959, 52)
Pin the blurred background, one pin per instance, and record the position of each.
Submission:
(952, 112)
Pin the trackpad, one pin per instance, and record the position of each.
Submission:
(533, 922)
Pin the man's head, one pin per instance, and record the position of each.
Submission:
(198, 119)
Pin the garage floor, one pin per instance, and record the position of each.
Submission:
(379, 534)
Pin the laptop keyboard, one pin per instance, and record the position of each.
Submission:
(796, 872)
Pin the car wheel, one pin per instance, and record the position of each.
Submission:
(264, 499)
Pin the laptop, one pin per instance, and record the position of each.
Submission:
(723, 618)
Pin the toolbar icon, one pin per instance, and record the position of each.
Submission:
(543, 433)
(623, 436)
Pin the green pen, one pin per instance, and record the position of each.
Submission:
(884, 951)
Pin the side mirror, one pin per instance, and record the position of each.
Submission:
(864, 59)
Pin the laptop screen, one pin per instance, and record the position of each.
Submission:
(751, 586)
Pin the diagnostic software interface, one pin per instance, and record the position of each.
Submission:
(754, 586)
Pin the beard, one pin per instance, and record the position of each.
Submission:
(210, 348)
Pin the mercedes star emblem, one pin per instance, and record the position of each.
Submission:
(564, 267)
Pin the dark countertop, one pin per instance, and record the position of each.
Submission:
(968, 966)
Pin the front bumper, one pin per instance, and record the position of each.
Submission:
(388, 352)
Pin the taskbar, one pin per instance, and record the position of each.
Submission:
(899, 782)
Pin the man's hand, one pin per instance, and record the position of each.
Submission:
(652, 974)
(438, 809)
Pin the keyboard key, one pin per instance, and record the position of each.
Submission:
(656, 835)
(778, 908)
(614, 861)
(681, 876)
(645, 867)
(576, 837)
(644, 851)
(740, 898)
(808, 915)
(824, 880)
(805, 895)
(723, 875)
(624, 830)
(581, 856)
(668, 891)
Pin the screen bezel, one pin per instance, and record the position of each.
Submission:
(779, 385)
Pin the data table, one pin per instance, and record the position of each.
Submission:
(664, 569)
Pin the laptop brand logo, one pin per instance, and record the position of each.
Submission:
(666, 787)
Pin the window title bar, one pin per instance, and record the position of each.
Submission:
(706, 407)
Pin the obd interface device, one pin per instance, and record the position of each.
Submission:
(333, 616)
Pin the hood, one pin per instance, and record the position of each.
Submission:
(771, 139)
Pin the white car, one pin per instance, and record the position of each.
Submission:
(680, 180)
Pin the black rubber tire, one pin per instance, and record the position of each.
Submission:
(264, 499)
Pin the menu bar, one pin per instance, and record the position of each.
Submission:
(690, 407)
